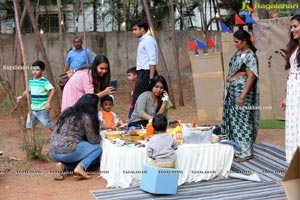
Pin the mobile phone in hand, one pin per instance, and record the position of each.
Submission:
(114, 84)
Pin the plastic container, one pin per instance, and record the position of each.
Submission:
(198, 135)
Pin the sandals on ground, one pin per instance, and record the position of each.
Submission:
(239, 160)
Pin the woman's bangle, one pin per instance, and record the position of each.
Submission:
(241, 98)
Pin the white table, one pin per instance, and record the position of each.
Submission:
(123, 166)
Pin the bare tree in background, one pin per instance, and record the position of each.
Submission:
(174, 42)
(165, 69)
(56, 101)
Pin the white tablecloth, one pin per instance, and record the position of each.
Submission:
(123, 166)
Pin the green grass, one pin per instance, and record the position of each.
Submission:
(271, 124)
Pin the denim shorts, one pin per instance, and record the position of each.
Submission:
(39, 116)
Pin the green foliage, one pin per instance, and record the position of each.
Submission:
(5, 104)
(35, 147)
(8, 7)
(160, 12)
(271, 124)
(119, 12)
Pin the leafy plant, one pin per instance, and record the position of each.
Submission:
(116, 12)
(5, 104)
(35, 146)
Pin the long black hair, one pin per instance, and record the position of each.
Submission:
(245, 36)
(156, 79)
(291, 46)
(100, 83)
(86, 105)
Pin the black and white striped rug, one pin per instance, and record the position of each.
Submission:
(269, 163)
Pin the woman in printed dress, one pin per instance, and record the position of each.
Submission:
(291, 104)
(241, 97)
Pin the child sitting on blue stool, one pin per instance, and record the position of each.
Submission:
(161, 147)
(159, 177)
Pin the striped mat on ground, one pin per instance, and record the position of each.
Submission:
(269, 163)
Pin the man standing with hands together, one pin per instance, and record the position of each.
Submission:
(147, 58)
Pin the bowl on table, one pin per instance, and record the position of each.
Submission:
(113, 134)
(134, 136)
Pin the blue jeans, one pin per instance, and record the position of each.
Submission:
(85, 154)
(39, 116)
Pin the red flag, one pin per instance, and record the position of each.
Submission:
(238, 20)
(211, 43)
(192, 45)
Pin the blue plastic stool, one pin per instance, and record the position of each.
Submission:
(157, 180)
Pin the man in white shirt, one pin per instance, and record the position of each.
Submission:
(147, 58)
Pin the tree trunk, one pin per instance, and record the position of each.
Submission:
(216, 11)
(174, 42)
(165, 69)
(180, 14)
(8, 87)
(190, 18)
(56, 101)
(95, 15)
(126, 34)
(17, 78)
(84, 35)
(61, 40)
(22, 17)
(61, 36)
(37, 20)
(203, 21)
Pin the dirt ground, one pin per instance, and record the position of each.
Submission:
(21, 178)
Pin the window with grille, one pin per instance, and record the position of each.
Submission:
(46, 22)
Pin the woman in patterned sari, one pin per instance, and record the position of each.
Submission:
(241, 97)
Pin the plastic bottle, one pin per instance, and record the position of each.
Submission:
(149, 131)
(178, 136)
(193, 124)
